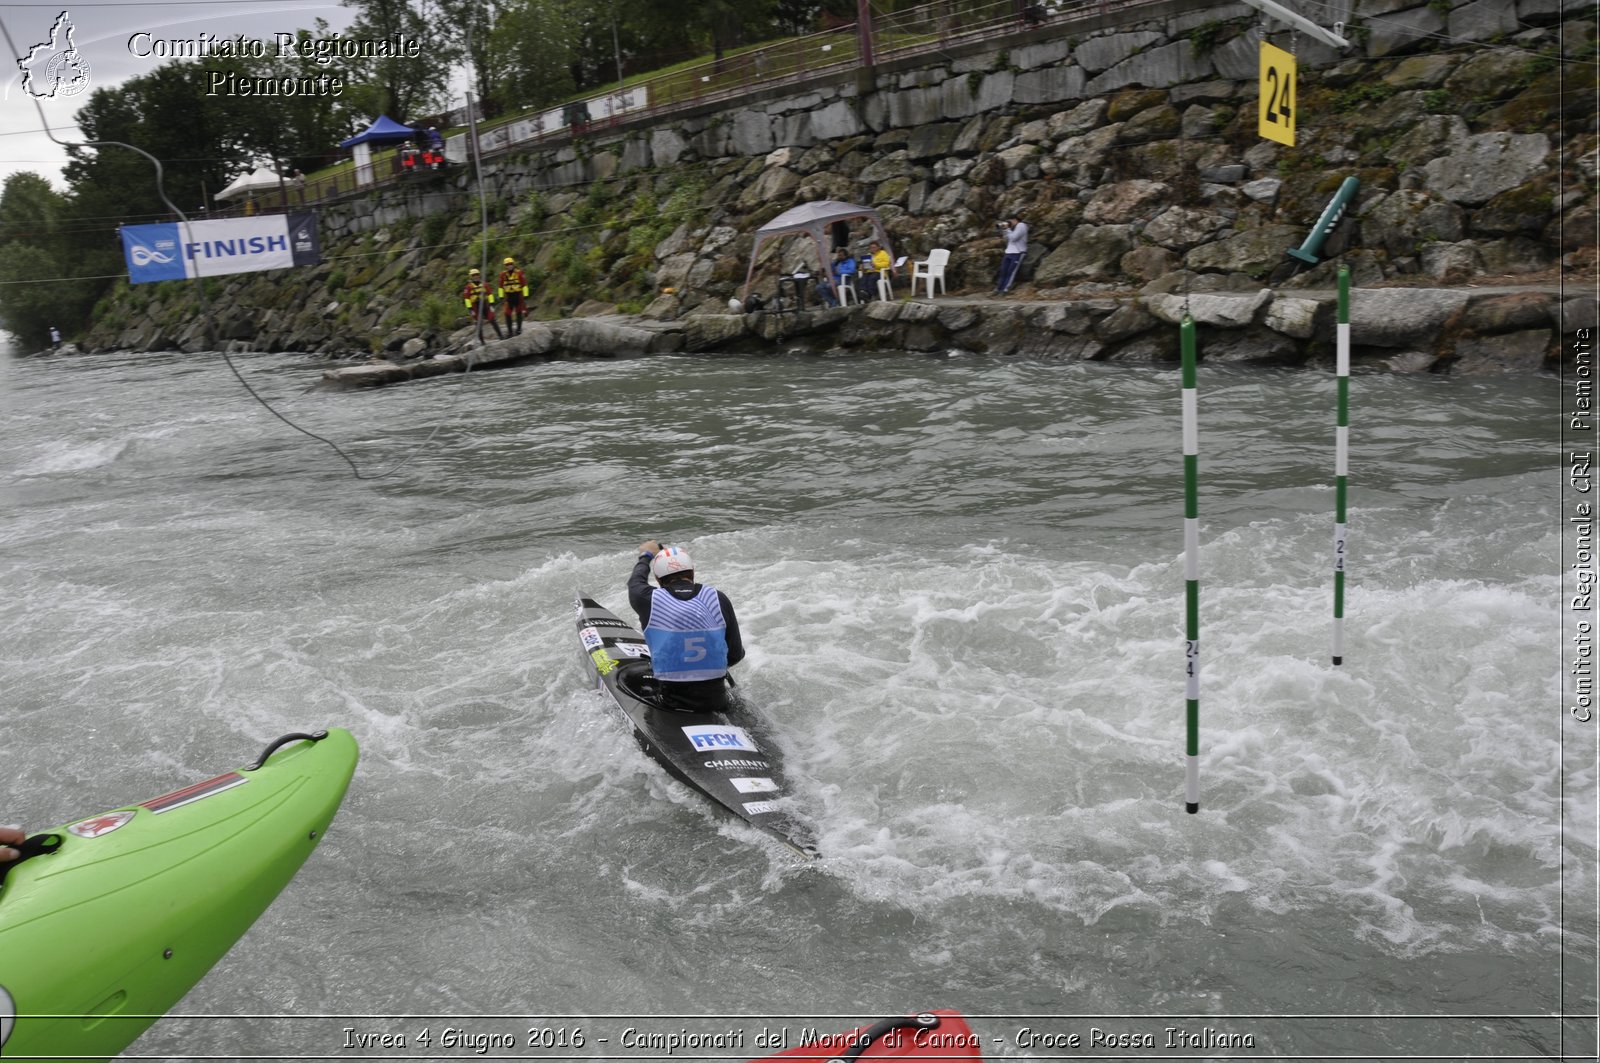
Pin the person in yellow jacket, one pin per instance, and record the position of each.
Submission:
(513, 294)
(479, 298)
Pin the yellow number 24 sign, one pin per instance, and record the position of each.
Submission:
(1276, 113)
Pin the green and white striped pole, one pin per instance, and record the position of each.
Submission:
(1191, 565)
(1341, 460)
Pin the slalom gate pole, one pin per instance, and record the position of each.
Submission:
(1341, 460)
(1191, 565)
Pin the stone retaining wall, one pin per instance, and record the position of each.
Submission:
(1129, 147)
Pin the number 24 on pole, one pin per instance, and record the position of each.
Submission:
(1277, 85)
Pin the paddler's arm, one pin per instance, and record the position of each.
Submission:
(735, 642)
(10, 836)
(639, 581)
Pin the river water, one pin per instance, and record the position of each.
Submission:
(962, 587)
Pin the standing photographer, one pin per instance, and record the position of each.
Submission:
(1016, 234)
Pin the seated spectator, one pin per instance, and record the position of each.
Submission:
(877, 264)
(844, 270)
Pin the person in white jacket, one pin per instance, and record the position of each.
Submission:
(1016, 233)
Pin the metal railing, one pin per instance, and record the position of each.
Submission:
(299, 193)
(928, 28)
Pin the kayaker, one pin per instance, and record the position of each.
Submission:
(691, 628)
(10, 836)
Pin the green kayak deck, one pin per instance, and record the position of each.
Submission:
(103, 935)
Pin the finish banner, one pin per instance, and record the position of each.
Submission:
(176, 250)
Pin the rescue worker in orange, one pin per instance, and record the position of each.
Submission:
(479, 298)
(513, 294)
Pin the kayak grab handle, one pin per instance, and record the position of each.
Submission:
(924, 1021)
(279, 743)
(35, 845)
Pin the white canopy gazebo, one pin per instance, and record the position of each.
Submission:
(261, 179)
(814, 220)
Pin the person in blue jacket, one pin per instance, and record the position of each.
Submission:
(691, 628)
(844, 272)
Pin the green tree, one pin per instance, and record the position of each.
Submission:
(31, 211)
(167, 114)
(729, 23)
(34, 249)
(404, 89)
(30, 303)
(488, 35)
(539, 39)
(292, 131)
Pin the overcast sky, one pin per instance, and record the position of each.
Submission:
(101, 34)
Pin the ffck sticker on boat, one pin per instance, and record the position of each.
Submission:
(591, 638)
(190, 794)
(100, 826)
(707, 736)
(754, 786)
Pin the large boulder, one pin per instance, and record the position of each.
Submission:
(1403, 31)
(1485, 74)
(1180, 228)
(1515, 352)
(1404, 220)
(595, 336)
(1511, 312)
(1091, 251)
(1300, 318)
(933, 141)
(1125, 201)
(1255, 251)
(1401, 317)
(706, 332)
(1487, 164)
(1213, 309)
(1081, 119)
(775, 185)
(1524, 210)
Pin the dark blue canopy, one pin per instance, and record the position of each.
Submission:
(385, 128)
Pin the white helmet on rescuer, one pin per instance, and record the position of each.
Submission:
(670, 561)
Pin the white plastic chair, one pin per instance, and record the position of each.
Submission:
(932, 269)
(846, 293)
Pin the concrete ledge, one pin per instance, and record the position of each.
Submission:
(1479, 331)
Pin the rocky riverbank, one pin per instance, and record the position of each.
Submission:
(1128, 142)
(1469, 331)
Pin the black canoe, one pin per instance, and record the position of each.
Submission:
(712, 753)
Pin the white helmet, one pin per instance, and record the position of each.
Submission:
(671, 560)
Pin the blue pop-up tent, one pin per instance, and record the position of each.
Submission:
(381, 131)
(384, 130)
